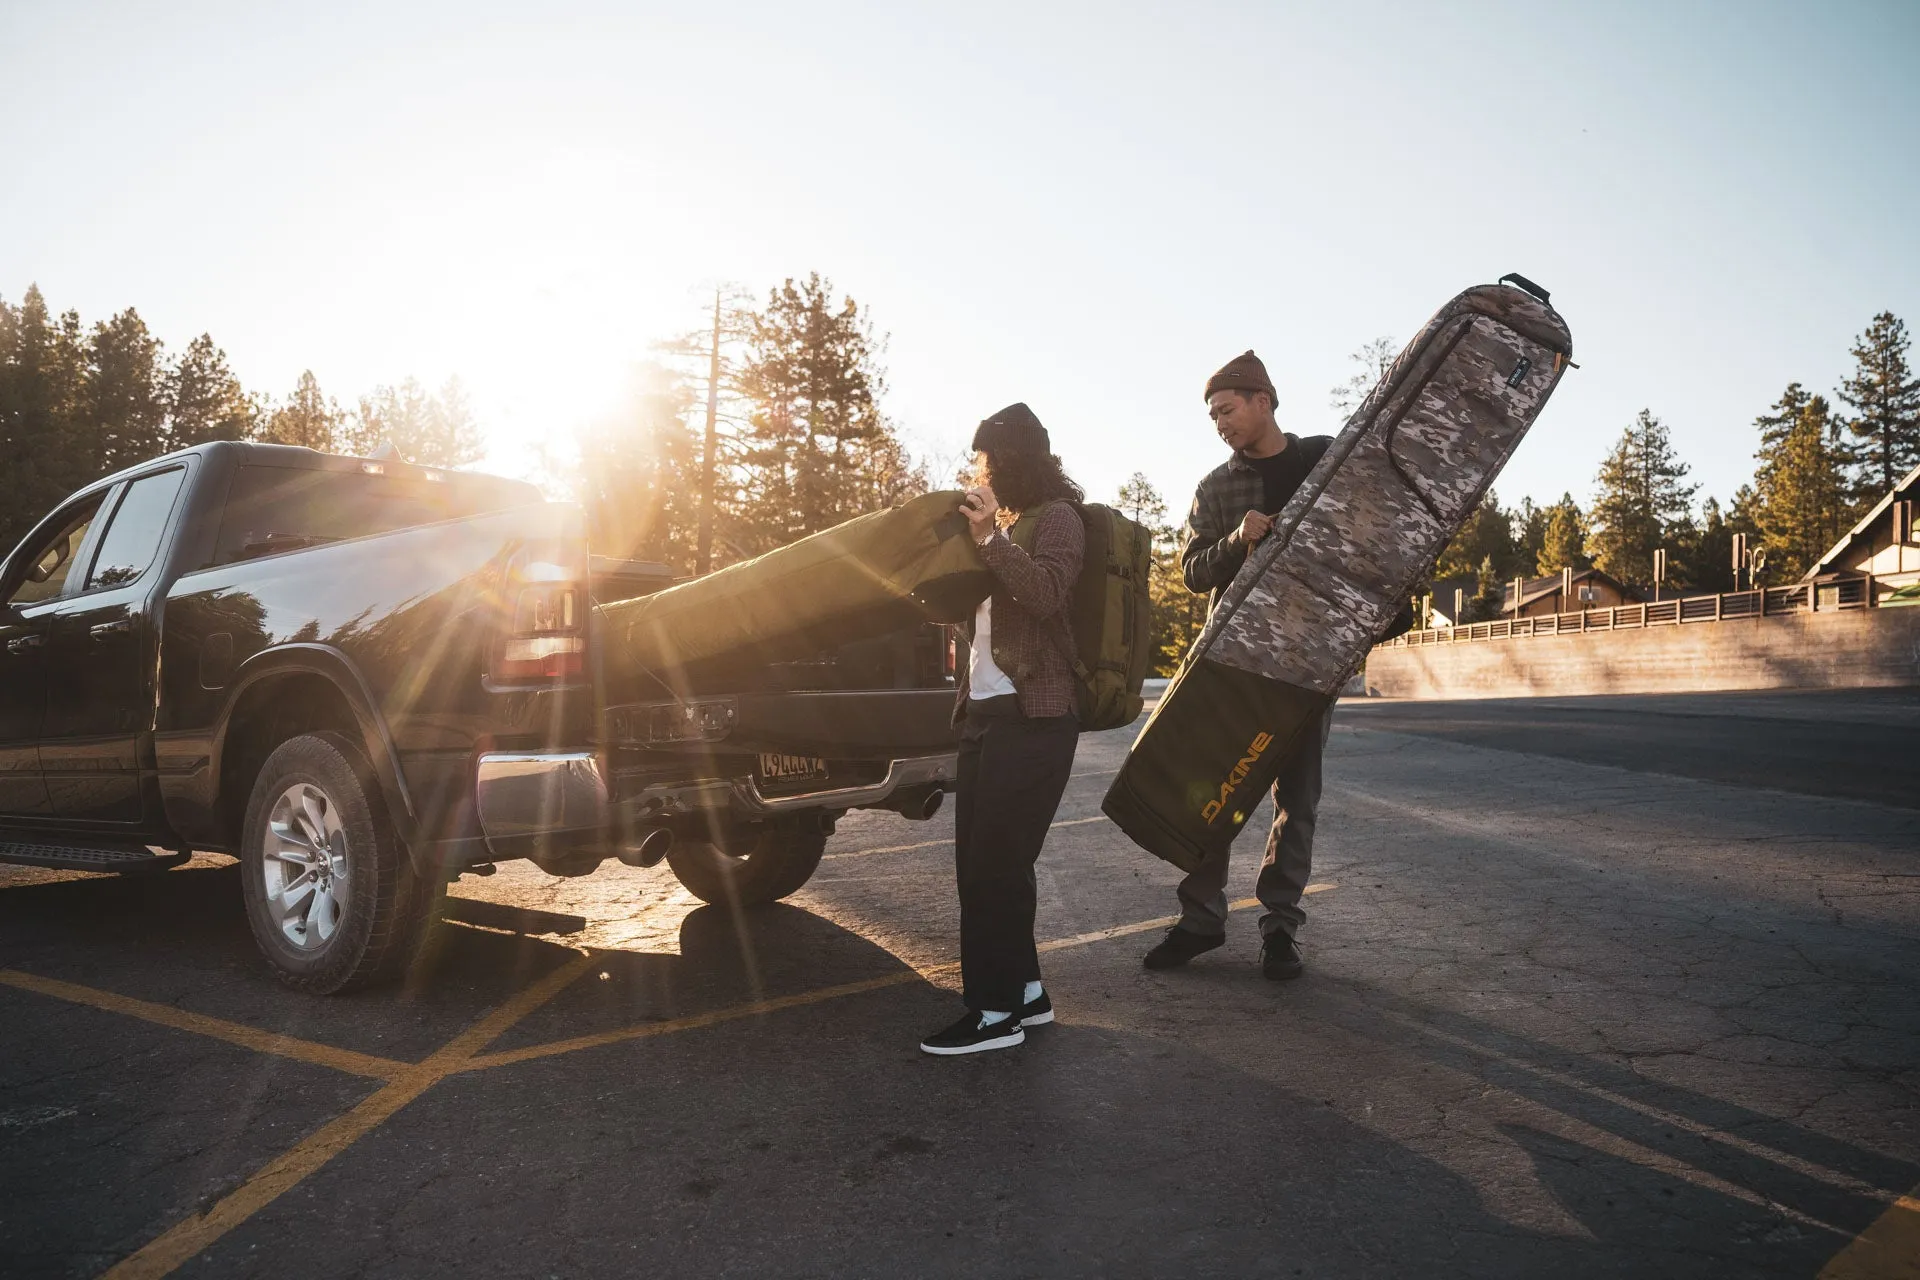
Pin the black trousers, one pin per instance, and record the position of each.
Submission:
(1013, 771)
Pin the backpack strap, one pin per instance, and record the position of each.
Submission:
(1063, 634)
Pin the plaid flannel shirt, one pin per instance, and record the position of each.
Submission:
(1031, 639)
(1214, 552)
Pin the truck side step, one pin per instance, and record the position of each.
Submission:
(89, 857)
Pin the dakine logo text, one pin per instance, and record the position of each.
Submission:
(1213, 808)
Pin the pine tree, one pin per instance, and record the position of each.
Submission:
(204, 400)
(1486, 538)
(819, 448)
(432, 430)
(1642, 503)
(1529, 534)
(1141, 502)
(124, 391)
(1743, 512)
(308, 418)
(452, 437)
(384, 415)
(1776, 422)
(1709, 553)
(884, 473)
(1177, 613)
(710, 359)
(1801, 489)
(1374, 359)
(1490, 593)
(638, 475)
(48, 446)
(1885, 397)
(1564, 544)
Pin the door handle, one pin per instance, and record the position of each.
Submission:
(110, 628)
(20, 644)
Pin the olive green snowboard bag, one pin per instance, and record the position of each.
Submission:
(1397, 482)
(876, 573)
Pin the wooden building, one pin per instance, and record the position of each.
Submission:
(1568, 591)
(1883, 547)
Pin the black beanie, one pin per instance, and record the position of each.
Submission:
(1242, 373)
(1013, 429)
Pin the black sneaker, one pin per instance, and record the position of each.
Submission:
(973, 1034)
(1179, 946)
(1280, 958)
(1037, 1012)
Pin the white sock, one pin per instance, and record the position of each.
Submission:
(988, 1017)
(1033, 992)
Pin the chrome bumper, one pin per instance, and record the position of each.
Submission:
(743, 795)
(522, 796)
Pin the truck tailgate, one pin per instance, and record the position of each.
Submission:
(879, 724)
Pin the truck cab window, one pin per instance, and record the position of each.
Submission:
(52, 564)
(139, 522)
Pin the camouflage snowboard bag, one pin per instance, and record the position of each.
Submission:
(1408, 469)
(1108, 615)
(873, 574)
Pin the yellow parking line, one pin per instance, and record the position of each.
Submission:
(186, 1240)
(407, 1081)
(752, 1008)
(891, 848)
(285, 1046)
(1148, 926)
(947, 843)
(667, 1026)
(1889, 1249)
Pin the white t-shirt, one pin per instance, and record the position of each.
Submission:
(984, 679)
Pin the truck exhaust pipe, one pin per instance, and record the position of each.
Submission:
(649, 849)
(916, 803)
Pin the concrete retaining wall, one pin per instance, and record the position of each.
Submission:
(1857, 648)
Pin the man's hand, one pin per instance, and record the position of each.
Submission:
(980, 508)
(1253, 527)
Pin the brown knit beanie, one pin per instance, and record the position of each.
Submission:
(1242, 373)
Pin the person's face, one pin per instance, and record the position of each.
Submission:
(1238, 416)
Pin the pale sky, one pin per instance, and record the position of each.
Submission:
(1086, 207)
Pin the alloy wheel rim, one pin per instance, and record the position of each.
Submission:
(306, 866)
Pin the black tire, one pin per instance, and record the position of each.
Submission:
(767, 863)
(380, 913)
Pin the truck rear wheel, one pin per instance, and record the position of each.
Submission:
(764, 864)
(331, 894)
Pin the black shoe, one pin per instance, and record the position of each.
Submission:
(1037, 1012)
(1179, 946)
(1280, 958)
(972, 1034)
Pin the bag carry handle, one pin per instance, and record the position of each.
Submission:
(1521, 282)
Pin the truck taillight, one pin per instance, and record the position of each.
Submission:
(546, 639)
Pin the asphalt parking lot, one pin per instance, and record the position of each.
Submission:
(1620, 988)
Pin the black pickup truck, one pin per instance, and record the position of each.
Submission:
(361, 678)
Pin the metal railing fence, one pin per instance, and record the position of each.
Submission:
(1764, 602)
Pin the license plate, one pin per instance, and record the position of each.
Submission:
(776, 767)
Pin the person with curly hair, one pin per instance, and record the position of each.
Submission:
(1018, 728)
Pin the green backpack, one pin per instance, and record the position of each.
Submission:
(1108, 615)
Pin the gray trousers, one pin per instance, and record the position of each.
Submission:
(1289, 861)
